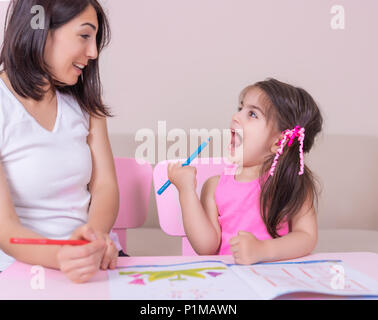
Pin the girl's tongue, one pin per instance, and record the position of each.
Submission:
(236, 140)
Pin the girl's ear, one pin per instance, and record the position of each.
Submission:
(275, 145)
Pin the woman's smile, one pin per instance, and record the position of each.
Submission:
(79, 67)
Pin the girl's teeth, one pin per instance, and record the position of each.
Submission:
(236, 138)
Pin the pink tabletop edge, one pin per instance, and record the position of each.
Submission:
(15, 280)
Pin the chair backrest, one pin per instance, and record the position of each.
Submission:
(134, 183)
(168, 205)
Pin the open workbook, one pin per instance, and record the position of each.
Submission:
(215, 280)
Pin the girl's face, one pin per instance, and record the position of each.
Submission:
(69, 48)
(252, 137)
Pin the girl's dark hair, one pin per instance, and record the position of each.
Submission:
(22, 53)
(284, 193)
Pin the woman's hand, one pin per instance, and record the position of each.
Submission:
(80, 263)
(246, 248)
(182, 177)
(109, 260)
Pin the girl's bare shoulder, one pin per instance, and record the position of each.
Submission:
(210, 185)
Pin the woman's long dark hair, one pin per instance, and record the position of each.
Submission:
(22, 53)
(284, 193)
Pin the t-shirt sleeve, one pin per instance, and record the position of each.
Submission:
(1, 127)
(86, 118)
(83, 114)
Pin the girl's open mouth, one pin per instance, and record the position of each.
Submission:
(236, 140)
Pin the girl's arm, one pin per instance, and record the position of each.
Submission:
(103, 186)
(301, 241)
(200, 216)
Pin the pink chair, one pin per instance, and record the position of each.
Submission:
(168, 205)
(134, 182)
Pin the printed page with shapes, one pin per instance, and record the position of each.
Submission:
(271, 280)
(201, 280)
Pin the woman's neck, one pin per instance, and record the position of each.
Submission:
(46, 100)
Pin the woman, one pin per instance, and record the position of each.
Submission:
(57, 176)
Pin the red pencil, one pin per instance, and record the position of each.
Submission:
(48, 241)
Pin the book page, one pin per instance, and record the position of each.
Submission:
(192, 281)
(270, 280)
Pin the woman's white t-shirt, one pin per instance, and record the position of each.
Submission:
(47, 171)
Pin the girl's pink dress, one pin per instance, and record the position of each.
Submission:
(239, 210)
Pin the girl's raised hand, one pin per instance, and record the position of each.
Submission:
(184, 178)
(246, 248)
(80, 263)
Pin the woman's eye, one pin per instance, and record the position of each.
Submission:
(85, 36)
(252, 114)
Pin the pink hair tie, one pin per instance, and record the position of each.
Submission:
(290, 135)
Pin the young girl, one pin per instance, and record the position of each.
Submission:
(266, 210)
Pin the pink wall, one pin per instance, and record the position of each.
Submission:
(186, 61)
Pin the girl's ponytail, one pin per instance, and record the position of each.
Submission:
(284, 193)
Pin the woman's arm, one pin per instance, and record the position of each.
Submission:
(78, 263)
(10, 226)
(301, 241)
(200, 217)
(103, 186)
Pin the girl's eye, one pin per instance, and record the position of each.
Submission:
(252, 114)
(239, 109)
(85, 36)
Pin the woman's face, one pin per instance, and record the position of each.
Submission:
(69, 48)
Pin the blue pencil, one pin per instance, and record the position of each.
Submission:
(186, 163)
